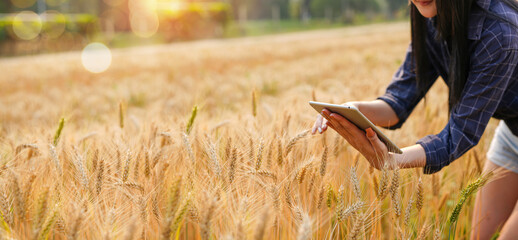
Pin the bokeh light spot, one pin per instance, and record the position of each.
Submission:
(27, 25)
(23, 3)
(55, 23)
(96, 57)
(144, 24)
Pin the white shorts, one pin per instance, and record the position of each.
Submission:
(503, 150)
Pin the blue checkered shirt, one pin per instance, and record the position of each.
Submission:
(491, 89)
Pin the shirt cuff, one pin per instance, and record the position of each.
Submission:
(436, 154)
(400, 111)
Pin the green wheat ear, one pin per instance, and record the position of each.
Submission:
(465, 194)
(191, 120)
(254, 103)
(121, 115)
(58, 131)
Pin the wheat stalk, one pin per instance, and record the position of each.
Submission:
(424, 231)
(233, 164)
(254, 103)
(121, 115)
(302, 172)
(394, 193)
(356, 183)
(276, 198)
(466, 193)
(321, 196)
(55, 158)
(42, 208)
(136, 170)
(48, 225)
(357, 227)
(435, 185)
(279, 152)
(394, 187)
(323, 162)
(287, 196)
(187, 145)
(437, 234)
(155, 208)
(408, 211)
(57, 135)
(261, 225)
(125, 174)
(132, 185)
(75, 226)
(174, 196)
(265, 174)
(206, 224)
(190, 123)
(294, 140)
(213, 156)
(383, 184)
(18, 196)
(259, 158)
(86, 137)
(350, 210)
(420, 196)
(147, 168)
(100, 176)
(477, 161)
(305, 228)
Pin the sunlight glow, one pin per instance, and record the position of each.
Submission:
(144, 24)
(96, 57)
(143, 18)
(27, 25)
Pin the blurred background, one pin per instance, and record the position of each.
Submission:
(43, 26)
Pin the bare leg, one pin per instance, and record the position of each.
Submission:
(494, 203)
(510, 230)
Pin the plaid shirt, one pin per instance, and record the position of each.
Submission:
(491, 89)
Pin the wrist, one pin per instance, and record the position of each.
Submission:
(412, 157)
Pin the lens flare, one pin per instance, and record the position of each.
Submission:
(96, 57)
(27, 25)
(143, 17)
(144, 24)
(55, 24)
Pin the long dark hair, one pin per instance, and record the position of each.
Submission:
(452, 25)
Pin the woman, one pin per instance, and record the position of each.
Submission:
(473, 46)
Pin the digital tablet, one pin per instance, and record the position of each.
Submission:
(352, 114)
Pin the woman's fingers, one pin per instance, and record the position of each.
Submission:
(366, 142)
(324, 125)
(318, 125)
(346, 129)
(347, 125)
(376, 143)
(379, 147)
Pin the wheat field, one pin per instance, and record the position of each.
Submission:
(132, 160)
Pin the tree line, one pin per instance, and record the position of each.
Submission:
(336, 10)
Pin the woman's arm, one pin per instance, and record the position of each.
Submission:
(378, 112)
(412, 157)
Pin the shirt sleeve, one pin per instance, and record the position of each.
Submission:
(402, 94)
(489, 75)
